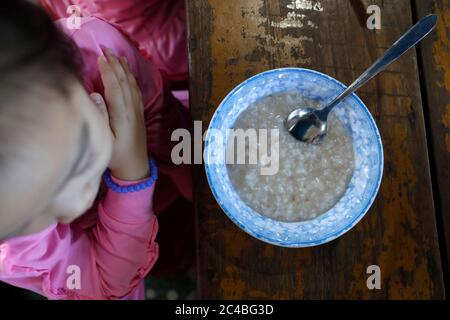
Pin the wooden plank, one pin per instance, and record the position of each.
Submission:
(232, 40)
(435, 53)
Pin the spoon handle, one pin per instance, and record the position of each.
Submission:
(419, 31)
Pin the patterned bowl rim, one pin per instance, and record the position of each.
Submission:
(334, 235)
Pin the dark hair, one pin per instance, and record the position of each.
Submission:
(29, 39)
(37, 61)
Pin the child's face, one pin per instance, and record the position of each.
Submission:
(65, 168)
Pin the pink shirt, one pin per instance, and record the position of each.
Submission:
(113, 250)
(113, 245)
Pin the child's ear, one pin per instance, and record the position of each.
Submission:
(100, 103)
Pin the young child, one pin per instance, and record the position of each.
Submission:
(56, 144)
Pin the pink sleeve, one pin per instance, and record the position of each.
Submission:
(106, 261)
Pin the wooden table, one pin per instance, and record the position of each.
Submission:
(403, 233)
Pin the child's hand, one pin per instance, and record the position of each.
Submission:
(126, 116)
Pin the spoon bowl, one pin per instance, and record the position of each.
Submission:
(305, 123)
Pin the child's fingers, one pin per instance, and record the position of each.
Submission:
(126, 67)
(116, 66)
(133, 86)
(113, 91)
(120, 73)
(100, 103)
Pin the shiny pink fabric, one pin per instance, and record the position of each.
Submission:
(157, 27)
(114, 244)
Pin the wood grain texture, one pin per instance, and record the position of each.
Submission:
(232, 40)
(435, 52)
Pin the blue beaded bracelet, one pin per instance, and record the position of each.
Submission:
(134, 187)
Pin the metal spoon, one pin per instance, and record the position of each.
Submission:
(310, 125)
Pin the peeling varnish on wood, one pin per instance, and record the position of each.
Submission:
(236, 49)
(404, 265)
(294, 20)
(305, 5)
(407, 271)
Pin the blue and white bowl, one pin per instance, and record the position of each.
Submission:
(368, 152)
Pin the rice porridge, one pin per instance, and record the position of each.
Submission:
(310, 178)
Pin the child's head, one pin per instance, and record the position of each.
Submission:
(54, 141)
